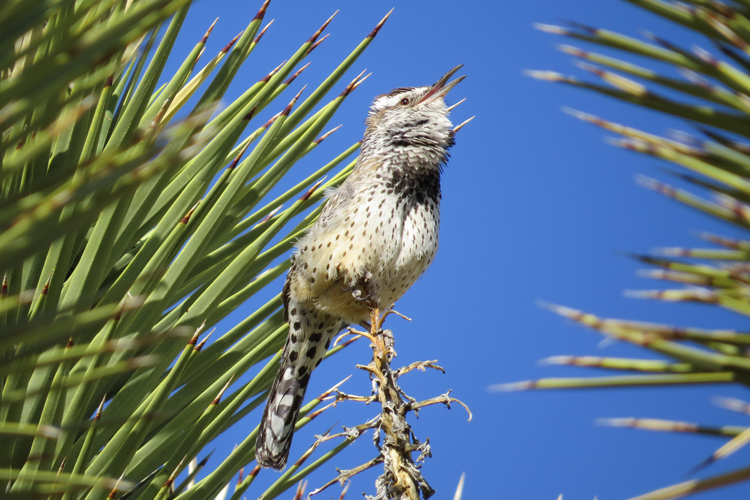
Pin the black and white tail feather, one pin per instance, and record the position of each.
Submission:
(310, 334)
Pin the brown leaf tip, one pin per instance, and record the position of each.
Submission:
(262, 11)
(250, 114)
(100, 409)
(270, 122)
(296, 74)
(200, 346)
(314, 46)
(238, 157)
(273, 72)
(289, 106)
(270, 214)
(310, 191)
(320, 30)
(262, 32)
(375, 30)
(353, 84)
(326, 135)
(583, 27)
(186, 219)
(208, 31)
(232, 42)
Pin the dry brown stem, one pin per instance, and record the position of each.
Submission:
(394, 439)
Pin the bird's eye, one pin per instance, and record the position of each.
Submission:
(404, 101)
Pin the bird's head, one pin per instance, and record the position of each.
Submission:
(412, 120)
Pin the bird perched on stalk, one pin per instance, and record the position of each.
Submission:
(376, 235)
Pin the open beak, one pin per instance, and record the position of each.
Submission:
(440, 88)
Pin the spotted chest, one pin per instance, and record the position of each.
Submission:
(378, 233)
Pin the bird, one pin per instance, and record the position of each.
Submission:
(376, 235)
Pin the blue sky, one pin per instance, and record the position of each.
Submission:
(536, 206)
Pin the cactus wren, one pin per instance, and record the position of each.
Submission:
(376, 235)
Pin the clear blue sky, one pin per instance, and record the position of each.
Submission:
(535, 206)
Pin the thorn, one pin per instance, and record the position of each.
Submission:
(300, 490)
(705, 55)
(326, 135)
(549, 76)
(320, 30)
(238, 157)
(350, 87)
(272, 72)
(197, 333)
(45, 289)
(513, 386)
(208, 31)
(270, 214)
(343, 492)
(315, 45)
(203, 342)
(556, 360)
(289, 106)
(451, 108)
(108, 81)
(332, 389)
(100, 409)
(573, 51)
(186, 219)
(218, 397)
(360, 81)
(231, 43)
(551, 28)
(460, 487)
(263, 31)
(461, 125)
(583, 27)
(116, 487)
(270, 122)
(655, 185)
(262, 11)
(310, 191)
(296, 74)
(376, 29)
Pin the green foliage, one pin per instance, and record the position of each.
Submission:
(126, 233)
(714, 96)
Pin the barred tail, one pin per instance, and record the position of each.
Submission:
(310, 333)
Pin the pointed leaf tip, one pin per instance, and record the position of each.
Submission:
(462, 125)
(273, 71)
(289, 106)
(326, 135)
(320, 30)
(551, 28)
(270, 122)
(232, 42)
(262, 11)
(296, 74)
(513, 386)
(208, 31)
(310, 191)
(263, 31)
(315, 45)
(352, 85)
(238, 157)
(376, 29)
